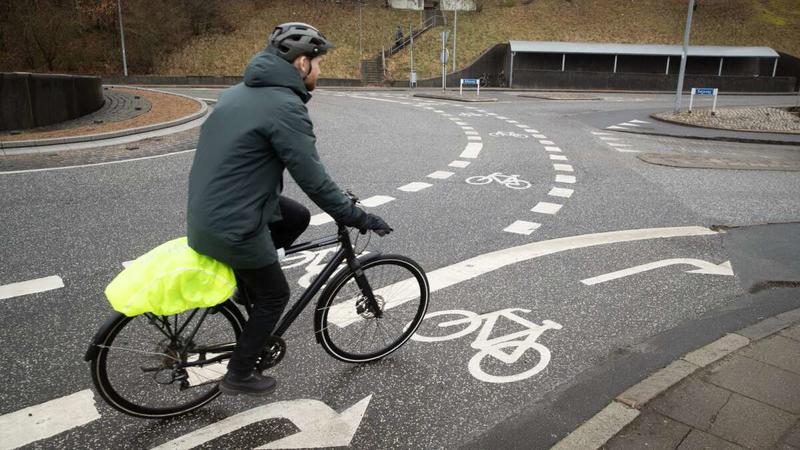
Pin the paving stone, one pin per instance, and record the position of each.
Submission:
(750, 423)
(757, 380)
(650, 430)
(716, 350)
(792, 332)
(778, 351)
(700, 440)
(693, 402)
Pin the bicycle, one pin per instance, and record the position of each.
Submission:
(509, 181)
(493, 347)
(152, 366)
(508, 134)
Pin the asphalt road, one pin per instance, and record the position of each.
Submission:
(538, 249)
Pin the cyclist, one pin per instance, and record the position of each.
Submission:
(235, 211)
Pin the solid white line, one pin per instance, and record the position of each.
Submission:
(471, 150)
(563, 167)
(376, 200)
(47, 419)
(552, 149)
(546, 208)
(473, 138)
(522, 227)
(531, 130)
(415, 186)
(97, 164)
(558, 157)
(320, 219)
(30, 287)
(440, 175)
(459, 164)
(560, 192)
(547, 142)
(565, 179)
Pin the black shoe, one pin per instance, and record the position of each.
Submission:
(252, 384)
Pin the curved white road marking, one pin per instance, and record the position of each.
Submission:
(47, 169)
(703, 267)
(344, 313)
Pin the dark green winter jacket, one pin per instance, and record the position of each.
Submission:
(257, 129)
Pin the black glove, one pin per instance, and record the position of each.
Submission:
(374, 223)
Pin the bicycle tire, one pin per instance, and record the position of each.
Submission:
(398, 282)
(130, 395)
(479, 180)
(471, 327)
(477, 371)
(518, 184)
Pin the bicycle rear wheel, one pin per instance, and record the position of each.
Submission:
(135, 369)
(352, 333)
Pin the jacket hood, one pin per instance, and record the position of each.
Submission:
(267, 69)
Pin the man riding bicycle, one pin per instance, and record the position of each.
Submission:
(235, 211)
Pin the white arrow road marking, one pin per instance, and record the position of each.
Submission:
(344, 313)
(30, 287)
(705, 267)
(47, 419)
(319, 424)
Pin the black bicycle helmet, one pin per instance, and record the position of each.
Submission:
(294, 39)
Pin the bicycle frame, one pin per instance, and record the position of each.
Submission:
(345, 252)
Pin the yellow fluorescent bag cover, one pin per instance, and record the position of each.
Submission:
(170, 279)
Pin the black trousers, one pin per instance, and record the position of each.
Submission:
(266, 289)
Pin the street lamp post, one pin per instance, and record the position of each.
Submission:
(122, 38)
(684, 56)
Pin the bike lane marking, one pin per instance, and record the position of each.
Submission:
(47, 419)
(31, 287)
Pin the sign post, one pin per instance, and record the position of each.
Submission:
(444, 57)
(704, 92)
(684, 55)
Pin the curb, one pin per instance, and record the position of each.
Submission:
(456, 99)
(114, 134)
(595, 432)
(676, 122)
(714, 138)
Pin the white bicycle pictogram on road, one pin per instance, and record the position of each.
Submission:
(508, 134)
(509, 181)
(520, 341)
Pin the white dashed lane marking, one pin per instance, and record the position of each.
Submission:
(546, 208)
(552, 149)
(563, 167)
(570, 179)
(472, 150)
(547, 142)
(376, 200)
(560, 192)
(558, 157)
(415, 186)
(440, 175)
(320, 219)
(459, 164)
(522, 227)
(30, 287)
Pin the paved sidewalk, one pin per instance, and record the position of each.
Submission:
(740, 392)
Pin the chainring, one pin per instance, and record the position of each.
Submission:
(273, 353)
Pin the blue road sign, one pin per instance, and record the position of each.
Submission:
(470, 81)
(704, 91)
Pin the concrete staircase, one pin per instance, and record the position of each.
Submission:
(372, 71)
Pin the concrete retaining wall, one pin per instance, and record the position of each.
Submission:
(30, 100)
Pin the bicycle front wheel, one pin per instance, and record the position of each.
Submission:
(351, 332)
(138, 369)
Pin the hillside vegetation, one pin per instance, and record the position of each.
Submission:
(773, 23)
